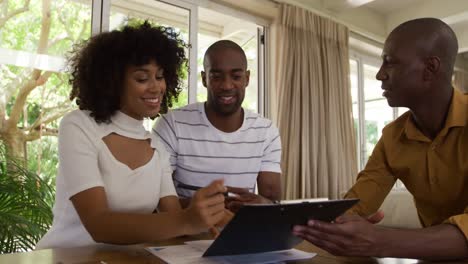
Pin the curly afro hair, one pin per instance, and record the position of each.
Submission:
(98, 66)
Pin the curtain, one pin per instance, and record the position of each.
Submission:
(314, 105)
(460, 81)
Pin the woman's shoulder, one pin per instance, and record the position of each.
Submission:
(79, 117)
(80, 126)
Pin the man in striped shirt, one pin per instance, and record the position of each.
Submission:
(219, 139)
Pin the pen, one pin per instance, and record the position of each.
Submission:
(196, 188)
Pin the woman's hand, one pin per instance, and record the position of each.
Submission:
(214, 231)
(206, 208)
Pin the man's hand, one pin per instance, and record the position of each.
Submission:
(243, 197)
(352, 235)
(349, 235)
(373, 218)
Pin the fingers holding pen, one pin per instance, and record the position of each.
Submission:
(207, 206)
(210, 195)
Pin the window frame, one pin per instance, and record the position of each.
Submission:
(100, 23)
(373, 61)
(361, 146)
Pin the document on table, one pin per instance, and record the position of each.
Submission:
(192, 251)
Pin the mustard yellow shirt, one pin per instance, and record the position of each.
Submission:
(435, 171)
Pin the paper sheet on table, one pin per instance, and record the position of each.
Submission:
(192, 251)
(200, 244)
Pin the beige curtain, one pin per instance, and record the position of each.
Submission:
(460, 80)
(314, 105)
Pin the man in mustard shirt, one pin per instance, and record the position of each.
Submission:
(426, 148)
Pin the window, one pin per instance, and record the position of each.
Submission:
(27, 52)
(201, 27)
(244, 33)
(34, 87)
(159, 13)
(377, 113)
(36, 36)
(353, 72)
(371, 112)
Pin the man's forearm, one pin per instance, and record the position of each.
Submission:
(269, 185)
(271, 196)
(442, 242)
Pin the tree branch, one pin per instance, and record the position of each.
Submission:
(46, 120)
(45, 28)
(20, 101)
(2, 118)
(57, 40)
(84, 27)
(17, 80)
(36, 134)
(8, 73)
(37, 79)
(59, 107)
(50, 92)
(13, 13)
(65, 26)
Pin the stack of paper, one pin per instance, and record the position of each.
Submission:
(192, 252)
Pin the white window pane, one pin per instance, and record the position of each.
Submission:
(31, 46)
(372, 86)
(159, 13)
(402, 110)
(353, 72)
(377, 111)
(214, 26)
(353, 75)
(23, 50)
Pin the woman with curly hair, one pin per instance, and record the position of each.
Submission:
(114, 182)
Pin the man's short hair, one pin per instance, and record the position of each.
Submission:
(222, 45)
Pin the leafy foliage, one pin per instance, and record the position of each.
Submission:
(43, 158)
(44, 105)
(25, 206)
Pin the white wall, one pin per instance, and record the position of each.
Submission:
(368, 27)
(453, 12)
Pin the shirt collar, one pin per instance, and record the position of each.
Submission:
(456, 117)
(127, 126)
(457, 113)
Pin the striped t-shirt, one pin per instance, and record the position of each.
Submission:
(200, 153)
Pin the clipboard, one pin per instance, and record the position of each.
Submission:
(268, 227)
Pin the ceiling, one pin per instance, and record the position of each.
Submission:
(375, 19)
(370, 19)
(380, 6)
(387, 6)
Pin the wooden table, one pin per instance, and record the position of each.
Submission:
(111, 254)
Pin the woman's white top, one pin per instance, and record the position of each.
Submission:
(85, 162)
